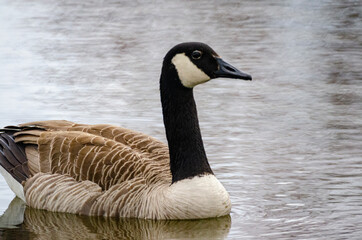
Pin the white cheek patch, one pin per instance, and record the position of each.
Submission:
(189, 74)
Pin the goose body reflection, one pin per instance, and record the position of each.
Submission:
(42, 224)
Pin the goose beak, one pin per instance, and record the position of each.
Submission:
(228, 71)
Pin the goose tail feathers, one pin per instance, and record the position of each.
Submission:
(13, 161)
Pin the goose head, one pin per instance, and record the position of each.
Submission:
(197, 63)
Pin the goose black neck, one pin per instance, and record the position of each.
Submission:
(187, 152)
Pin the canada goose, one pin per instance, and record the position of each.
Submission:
(107, 170)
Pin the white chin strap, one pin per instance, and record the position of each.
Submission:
(189, 74)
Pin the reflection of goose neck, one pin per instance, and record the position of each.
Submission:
(187, 153)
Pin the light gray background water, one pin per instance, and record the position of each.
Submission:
(287, 146)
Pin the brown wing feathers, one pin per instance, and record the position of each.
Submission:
(86, 169)
(86, 156)
(104, 154)
(68, 166)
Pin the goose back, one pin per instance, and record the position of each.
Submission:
(103, 154)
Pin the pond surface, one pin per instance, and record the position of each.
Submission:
(287, 146)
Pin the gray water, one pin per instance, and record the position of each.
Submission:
(287, 146)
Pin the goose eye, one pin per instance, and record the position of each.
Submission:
(196, 54)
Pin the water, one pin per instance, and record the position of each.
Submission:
(287, 146)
